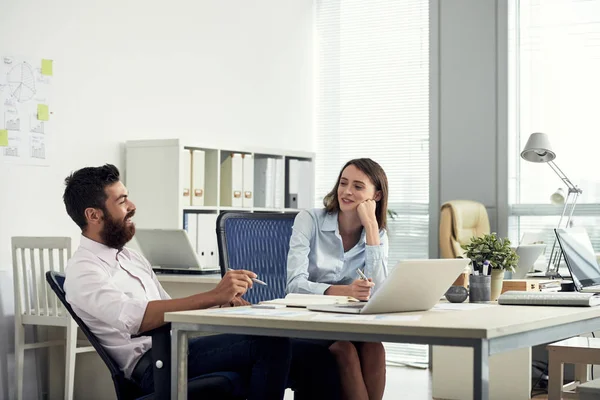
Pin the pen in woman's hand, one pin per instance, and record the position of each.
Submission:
(256, 280)
(362, 275)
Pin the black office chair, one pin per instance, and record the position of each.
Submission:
(220, 385)
(258, 242)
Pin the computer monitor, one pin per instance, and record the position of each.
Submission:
(579, 255)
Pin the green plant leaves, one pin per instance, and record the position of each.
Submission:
(496, 250)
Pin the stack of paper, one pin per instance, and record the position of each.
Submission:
(305, 300)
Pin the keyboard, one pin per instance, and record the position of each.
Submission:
(352, 305)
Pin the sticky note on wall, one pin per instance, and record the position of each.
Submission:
(47, 67)
(42, 112)
(3, 137)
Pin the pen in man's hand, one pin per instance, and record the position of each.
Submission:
(253, 279)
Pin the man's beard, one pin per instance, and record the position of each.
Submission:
(116, 234)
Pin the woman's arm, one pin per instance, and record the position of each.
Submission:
(297, 262)
(376, 260)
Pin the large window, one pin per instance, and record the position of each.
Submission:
(554, 84)
(373, 101)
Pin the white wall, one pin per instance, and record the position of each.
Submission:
(211, 71)
(469, 108)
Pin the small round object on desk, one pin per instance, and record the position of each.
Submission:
(456, 294)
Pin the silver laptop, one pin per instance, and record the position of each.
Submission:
(170, 251)
(413, 285)
(580, 258)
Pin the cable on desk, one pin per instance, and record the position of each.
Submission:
(593, 335)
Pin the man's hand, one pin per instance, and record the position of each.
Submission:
(361, 289)
(237, 302)
(233, 285)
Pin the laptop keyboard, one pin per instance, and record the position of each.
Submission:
(353, 305)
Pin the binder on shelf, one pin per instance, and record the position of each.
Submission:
(206, 243)
(299, 178)
(305, 200)
(232, 170)
(186, 176)
(293, 183)
(248, 181)
(190, 224)
(197, 192)
(279, 187)
(264, 182)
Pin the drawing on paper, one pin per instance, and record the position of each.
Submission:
(12, 122)
(21, 82)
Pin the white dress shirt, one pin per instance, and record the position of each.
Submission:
(317, 260)
(109, 290)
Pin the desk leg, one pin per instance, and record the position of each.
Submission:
(481, 371)
(179, 364)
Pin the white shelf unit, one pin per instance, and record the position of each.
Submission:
(155, 177)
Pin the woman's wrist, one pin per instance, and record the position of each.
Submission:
(372, 233)
(338, 290)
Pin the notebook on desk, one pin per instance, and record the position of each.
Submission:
(170, 251)
(306, 300)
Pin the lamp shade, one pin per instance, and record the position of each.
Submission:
(538, 149)
(558, 197)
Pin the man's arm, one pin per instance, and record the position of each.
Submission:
(156, 309)
(234, 284)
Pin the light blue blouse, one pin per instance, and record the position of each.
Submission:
(317, 260)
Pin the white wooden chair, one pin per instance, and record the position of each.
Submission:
(36, 304)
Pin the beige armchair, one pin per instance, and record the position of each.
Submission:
(460, 220)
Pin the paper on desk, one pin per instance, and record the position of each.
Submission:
(258, 312)
(459, 306)
(365, 317)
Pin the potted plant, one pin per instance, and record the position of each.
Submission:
(498, 253)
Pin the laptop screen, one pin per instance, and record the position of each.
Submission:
(579, 256)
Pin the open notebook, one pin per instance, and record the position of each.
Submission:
(574, 299)
(305, 300)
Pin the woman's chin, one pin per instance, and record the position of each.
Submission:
(346, 207)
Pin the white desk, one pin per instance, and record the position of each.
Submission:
(487, 331)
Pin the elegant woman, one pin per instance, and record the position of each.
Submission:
(327, 248)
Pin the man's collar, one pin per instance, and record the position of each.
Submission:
(330, 223)
(102, 251)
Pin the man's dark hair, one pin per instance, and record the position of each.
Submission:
(85, 189)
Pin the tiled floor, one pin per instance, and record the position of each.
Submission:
(408, 383)
(402, 383)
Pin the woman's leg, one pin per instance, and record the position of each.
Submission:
(372, 361)
(351, 377)
(265, 360)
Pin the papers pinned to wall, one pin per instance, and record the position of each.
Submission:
(25, 109)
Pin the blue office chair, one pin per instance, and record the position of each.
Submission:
(220, 385)
(258, 242)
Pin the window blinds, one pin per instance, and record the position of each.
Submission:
(554, 58)
(373, 101)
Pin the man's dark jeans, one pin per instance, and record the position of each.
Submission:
(265, 362)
